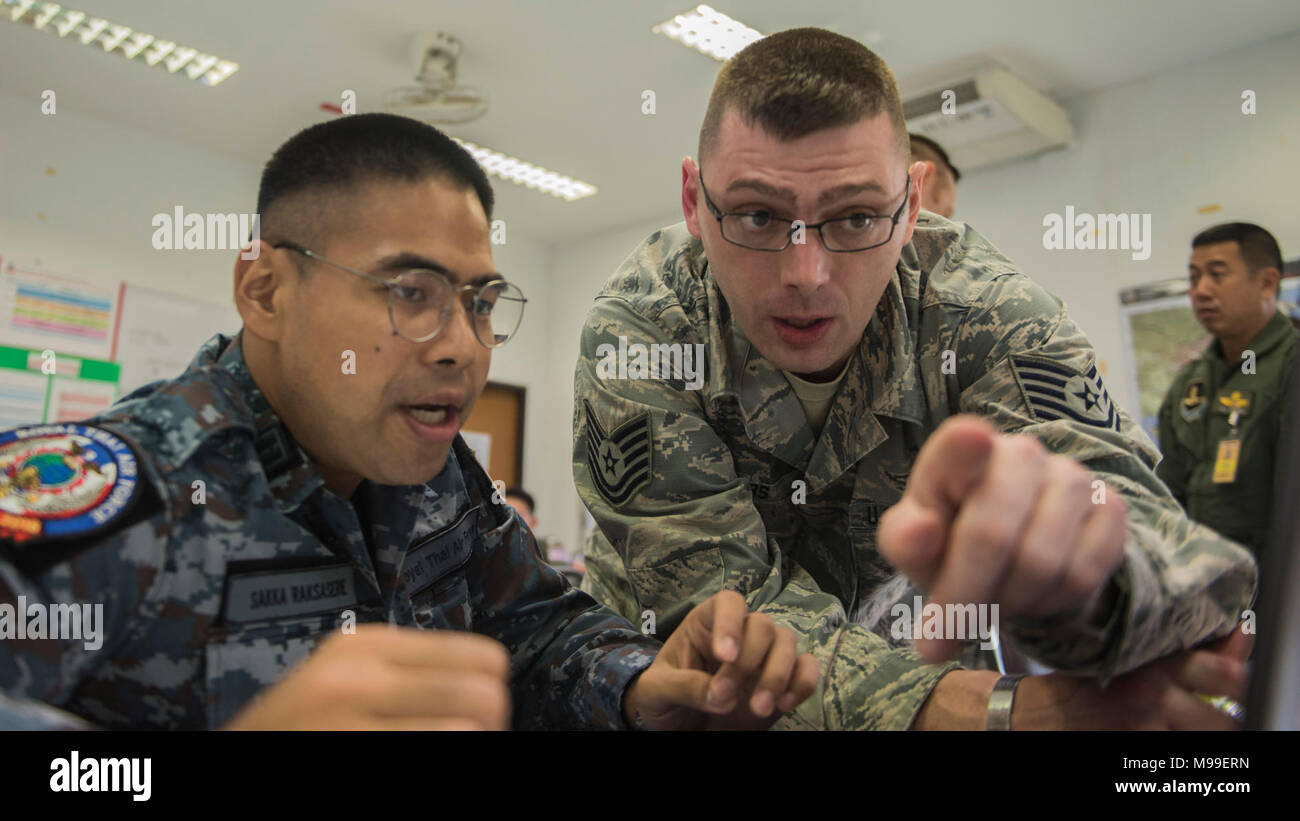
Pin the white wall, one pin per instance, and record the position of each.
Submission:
(1165, 145)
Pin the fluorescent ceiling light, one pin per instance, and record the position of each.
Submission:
(709, 31)
(96, 31)
(528, 175)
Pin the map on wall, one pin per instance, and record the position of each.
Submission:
(1161, 335)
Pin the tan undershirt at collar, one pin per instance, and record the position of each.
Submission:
(815, 397)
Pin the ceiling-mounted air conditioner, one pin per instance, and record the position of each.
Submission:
(984, 115)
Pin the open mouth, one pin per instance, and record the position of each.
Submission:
(429, 414)
(801, 324)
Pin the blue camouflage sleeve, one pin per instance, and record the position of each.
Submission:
(103, 587)
(571, 659)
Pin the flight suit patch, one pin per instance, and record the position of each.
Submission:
(619, 461)
(1192, 406)
(1239, 402)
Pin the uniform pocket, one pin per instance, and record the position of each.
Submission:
(673, 587)
(445, 605)
(243, 661)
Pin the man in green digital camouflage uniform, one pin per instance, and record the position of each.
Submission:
(745, 416)
(1221, 421)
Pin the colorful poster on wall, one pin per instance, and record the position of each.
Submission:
(66, 316)
(37, 388)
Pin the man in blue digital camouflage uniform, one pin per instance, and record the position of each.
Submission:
(234, 547)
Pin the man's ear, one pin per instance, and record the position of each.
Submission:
(1269, 279)
(917, 174)
(691, 196)
(261, 288)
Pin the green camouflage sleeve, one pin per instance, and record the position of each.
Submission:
(1030, 369)
(676, 524)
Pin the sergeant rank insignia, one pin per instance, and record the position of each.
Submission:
(619, 461)
(63, 481)
(1056, 391)
(1192, 406)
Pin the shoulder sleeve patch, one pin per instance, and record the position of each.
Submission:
(64, 484)
(620, 460)
(1054, 390)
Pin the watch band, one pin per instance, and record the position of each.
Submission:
(1000, 700)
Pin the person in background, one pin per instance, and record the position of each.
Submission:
(939, 185)
(1221, 421)
(522, 501)
(569, 562)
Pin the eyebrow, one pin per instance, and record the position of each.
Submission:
(405, 261)
(827, 196)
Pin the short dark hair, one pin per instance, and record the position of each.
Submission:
(520, 493)
(934, 148)
(1259, 249)
(338, 155)
(800, 81)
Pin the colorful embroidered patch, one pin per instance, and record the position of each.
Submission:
(1056, 391)
(620, 461)
(63, 481)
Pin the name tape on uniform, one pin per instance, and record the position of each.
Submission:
(283, 594)
(443, 552)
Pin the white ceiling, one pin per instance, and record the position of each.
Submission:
(565, 77)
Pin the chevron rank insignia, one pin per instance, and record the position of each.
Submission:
(1056, 391)
(620, 460)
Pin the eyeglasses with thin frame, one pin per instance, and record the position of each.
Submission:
(420, 302)
(761, 231)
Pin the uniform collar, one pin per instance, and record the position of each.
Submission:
(1276, 331)
(289, 472)
(882, 380)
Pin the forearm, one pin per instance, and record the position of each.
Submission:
(1180, 585)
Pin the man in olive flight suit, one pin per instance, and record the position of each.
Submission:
(1221, 421)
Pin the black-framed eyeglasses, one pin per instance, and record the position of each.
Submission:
(761, 231)
(420, 302)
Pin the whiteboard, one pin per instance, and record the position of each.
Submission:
(162, 332)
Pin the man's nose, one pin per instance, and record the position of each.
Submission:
(456, 343)
(805, 265)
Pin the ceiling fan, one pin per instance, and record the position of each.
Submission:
(436, 98)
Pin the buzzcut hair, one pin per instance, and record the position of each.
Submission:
(309, 177)
(800, 81)
(928, 145)
(1259, 248)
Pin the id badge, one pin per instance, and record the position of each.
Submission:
(1225, 464)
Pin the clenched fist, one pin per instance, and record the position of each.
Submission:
(996, 518)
